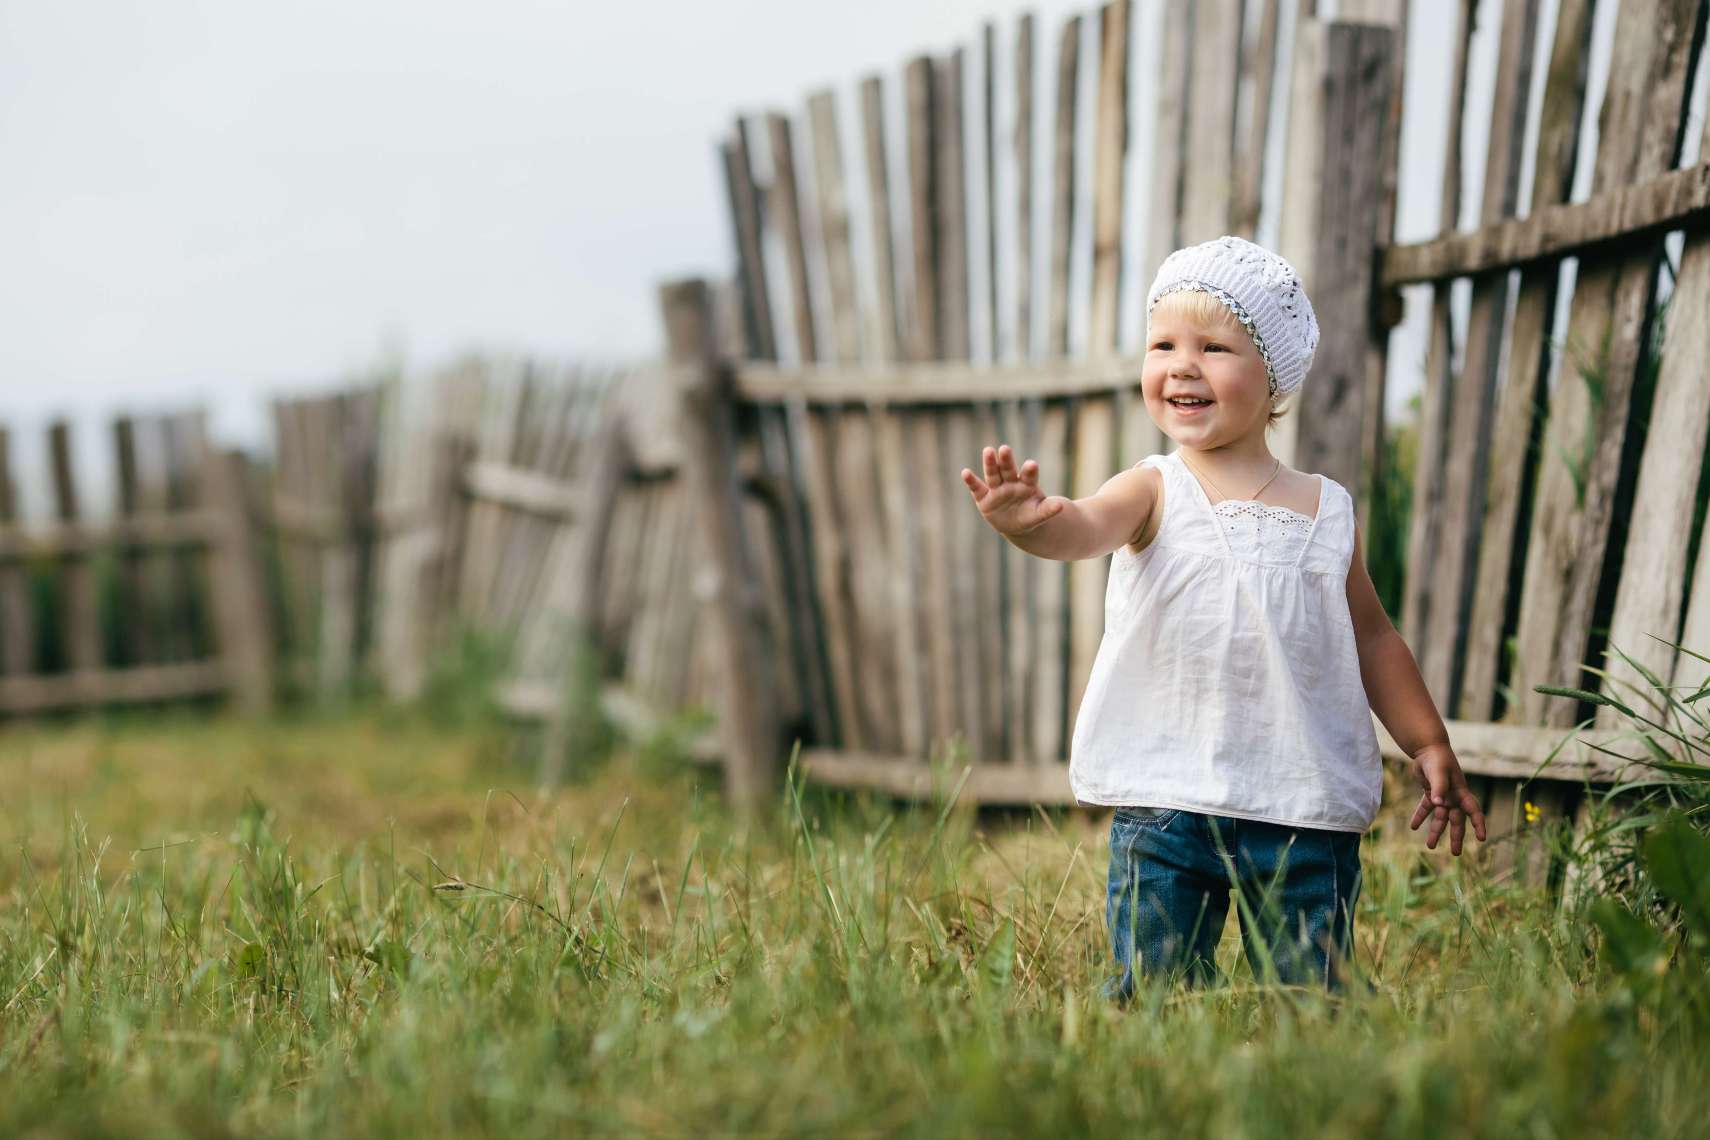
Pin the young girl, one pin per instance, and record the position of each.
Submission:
(1228, 713)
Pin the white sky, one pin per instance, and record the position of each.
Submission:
(216, 202)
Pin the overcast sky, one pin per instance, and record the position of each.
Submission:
(214, 202)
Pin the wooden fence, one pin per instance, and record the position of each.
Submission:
(537, 507)
(534, 506)
(1556, 519)
(909, 626)
(772, 520)
(165, 602)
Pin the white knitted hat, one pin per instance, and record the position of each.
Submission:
(1264, 293)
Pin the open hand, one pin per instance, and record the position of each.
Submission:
(1446, 798)
(1009, 498)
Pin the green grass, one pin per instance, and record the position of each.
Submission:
(367, 924)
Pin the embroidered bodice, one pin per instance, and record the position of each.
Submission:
(1261, 531)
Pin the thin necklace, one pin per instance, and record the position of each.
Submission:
(1220, 495)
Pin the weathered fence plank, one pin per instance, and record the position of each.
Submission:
(744, 201)
(1021, 161)
(990, 614)
(783, 202)
(17, 615)
(1063, 190)
(795, 602)
(951, 217)
(747, 724)
(77, 578)
(243, 632)
(1025, 572)
(914, 717)
(1207, 171)
(1051, 628)
(1261, 57)
(988, 167)
(871, 540)
(1095, 416)
(832, 202)
(136, 640)
(885, 327)
(1165, 165)
(1339, 417)
(924, 334)
(926, 458)
(1110, 153)
(1452, 566)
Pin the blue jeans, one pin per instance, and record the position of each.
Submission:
(1171, 876)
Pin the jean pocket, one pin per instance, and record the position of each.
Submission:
(1145, 816)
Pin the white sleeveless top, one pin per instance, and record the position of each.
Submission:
(1227, 680)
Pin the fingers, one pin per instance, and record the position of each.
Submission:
(1453, 818)
(1437, 785)
(1469, 804)
(1000, 467)
(1439, 820)
(973, 483)
(1027, 472)
(1420, 814)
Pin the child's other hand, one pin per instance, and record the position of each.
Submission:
(1009, 498)
(1446, 798)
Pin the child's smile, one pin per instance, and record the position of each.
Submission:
(1203, 379)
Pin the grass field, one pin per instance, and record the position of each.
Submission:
(368, 925)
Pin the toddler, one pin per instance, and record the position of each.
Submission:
(1227, 717)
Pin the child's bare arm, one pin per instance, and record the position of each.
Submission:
(1397, 694)
(1052, 526)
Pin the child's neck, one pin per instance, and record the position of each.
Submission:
(1247, 459)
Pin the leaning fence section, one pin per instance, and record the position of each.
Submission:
(536, 506)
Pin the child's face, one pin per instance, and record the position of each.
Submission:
(1188, 355)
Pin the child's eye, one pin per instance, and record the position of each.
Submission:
(1213, 345)
(1161, 344)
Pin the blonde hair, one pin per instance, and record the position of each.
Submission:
(1202, 308)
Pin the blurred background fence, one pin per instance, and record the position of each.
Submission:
(769, 522)
(508, 503)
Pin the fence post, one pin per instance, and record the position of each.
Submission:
(1344, 86)
(748, 723)
(576, 594)
(17, 620)
(240, 601)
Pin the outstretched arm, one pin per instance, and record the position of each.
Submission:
(1052, 526)
(1397, 694)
